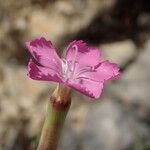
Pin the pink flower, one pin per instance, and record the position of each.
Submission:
(81, 69)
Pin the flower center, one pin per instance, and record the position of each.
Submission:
(68, 67)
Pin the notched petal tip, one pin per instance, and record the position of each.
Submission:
(80, 46)
(38, 42)
(78, 42)
(32, 70)
(92, 93)
(44, 53)
(89, 88)
(37, 72)
(116, 71)
(107, 70)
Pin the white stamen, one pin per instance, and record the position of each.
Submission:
(69, 67)
(75, 57)
(64, 66)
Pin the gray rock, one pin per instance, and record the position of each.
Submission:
(134, 86)
(68, 140)
(65, 17)
(110, 126)
(36, 18)
(20, 101)
(119, 52)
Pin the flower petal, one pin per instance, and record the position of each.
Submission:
(88, 87)
(44, 53)
(79, 51)
(42, 73)
(103, 72)
(108, 71)
(91, 58)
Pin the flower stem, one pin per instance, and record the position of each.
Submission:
(56, 114)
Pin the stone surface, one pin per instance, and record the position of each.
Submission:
(119, 52)
(54, 20)
(21, 100)
(110, 126)
(65, 18)
(68, 140)
(133, 87)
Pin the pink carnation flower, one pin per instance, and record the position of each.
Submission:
(82, 67)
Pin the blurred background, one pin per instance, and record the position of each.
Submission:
(120, 120)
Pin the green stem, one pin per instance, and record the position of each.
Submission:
(56, 114)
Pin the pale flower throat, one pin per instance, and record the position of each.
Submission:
(68, 67)
(69, 70)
